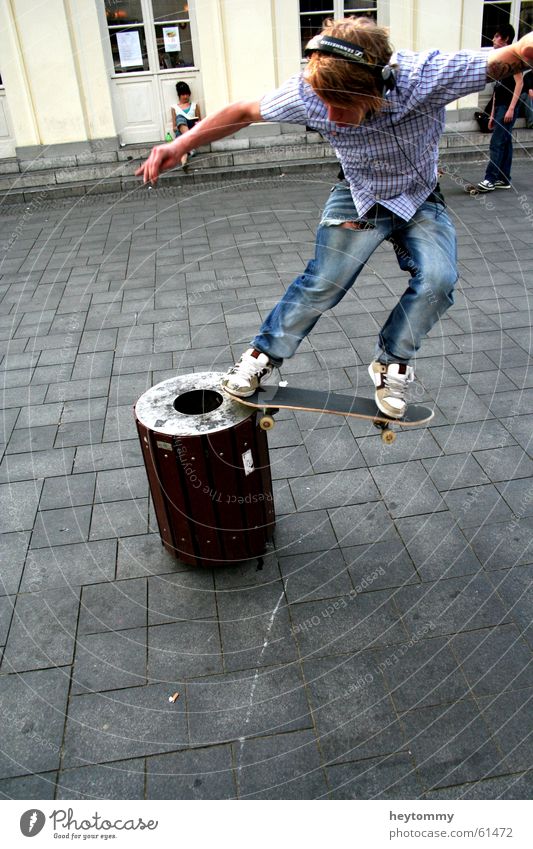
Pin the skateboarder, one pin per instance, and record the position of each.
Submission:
(383, 116)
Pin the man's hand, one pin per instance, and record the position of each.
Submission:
(491, 122)
(162, 158)
(509, 115)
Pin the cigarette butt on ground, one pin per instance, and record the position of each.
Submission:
(174, 697)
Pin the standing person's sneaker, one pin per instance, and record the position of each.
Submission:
(391, 382)
(244, 377)
(501, 184)
(486, 186)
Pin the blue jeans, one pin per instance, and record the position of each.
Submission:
(426, 246)
(501, 148)
(527, 108)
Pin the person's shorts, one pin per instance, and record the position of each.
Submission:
(186, 122)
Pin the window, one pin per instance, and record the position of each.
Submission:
(525, 22)
(313, 13)
(173, 34)
(127, 35)
(149, 35)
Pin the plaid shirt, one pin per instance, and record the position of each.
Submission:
(391, 158)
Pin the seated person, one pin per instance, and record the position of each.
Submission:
(185, 114)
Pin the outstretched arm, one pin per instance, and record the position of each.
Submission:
(509, 60)
(217, 126)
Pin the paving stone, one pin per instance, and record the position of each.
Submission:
(455, 471)
(517, 786)
(348, 623)
(451, 744)
(472, 436)
(7, 604)
(412, 444)
(117, 780)
(334, 489)
(185, 596)
(494, 659)
(13, 548)
(69, 565)
(352, 710)
(518, 495)
(29, 787)
(503, 544)
(144, 555)
(119, 724)
(505, 463)
(109, 661)
(111, 607)
(390, 777)
(70, 491)
(79, 433)
(422, 672)
(31, 439)
(33, 466)
(255, 627)
(508, 716)
(437, 546)
(514, 587)
(43, 631)
(247, 704)
(119, 518)
(312, 576)
(379, 565)
(284, 766)
(183, 650)
(18, 505)
(477, 506)
(361, 524)
(193, 774)
(451, 605)
(300, 533)
(330, 449)
(108, 456)
(119, 484)
(407, 489)
(61, 527)
(34, 704)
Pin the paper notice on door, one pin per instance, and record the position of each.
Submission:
(171, 38)
(129, 49)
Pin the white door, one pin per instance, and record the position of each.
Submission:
(7, 139)
(150, 46)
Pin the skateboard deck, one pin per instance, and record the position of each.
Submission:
(471, 189)
(271, 398)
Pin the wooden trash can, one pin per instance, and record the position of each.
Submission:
(209, 471)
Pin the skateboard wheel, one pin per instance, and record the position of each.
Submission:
(266, 422)
(388, 436)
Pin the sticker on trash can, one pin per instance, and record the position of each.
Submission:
(248, 462)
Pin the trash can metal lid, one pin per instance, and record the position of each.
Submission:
(156, 409)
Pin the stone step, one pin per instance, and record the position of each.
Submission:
(276, 154)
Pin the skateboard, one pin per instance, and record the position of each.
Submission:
(472, 190)
(270, 398)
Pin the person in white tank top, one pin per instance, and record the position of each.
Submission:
(185, 114)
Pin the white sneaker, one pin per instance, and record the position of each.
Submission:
(486, 186)
(391, 382)
(244, 377)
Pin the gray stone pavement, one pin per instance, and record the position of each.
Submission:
(384, 649)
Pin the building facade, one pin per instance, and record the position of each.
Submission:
(103, 72)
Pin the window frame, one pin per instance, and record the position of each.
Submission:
(337, 12)
(149, 24)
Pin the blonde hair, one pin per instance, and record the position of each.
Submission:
(337, 81)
